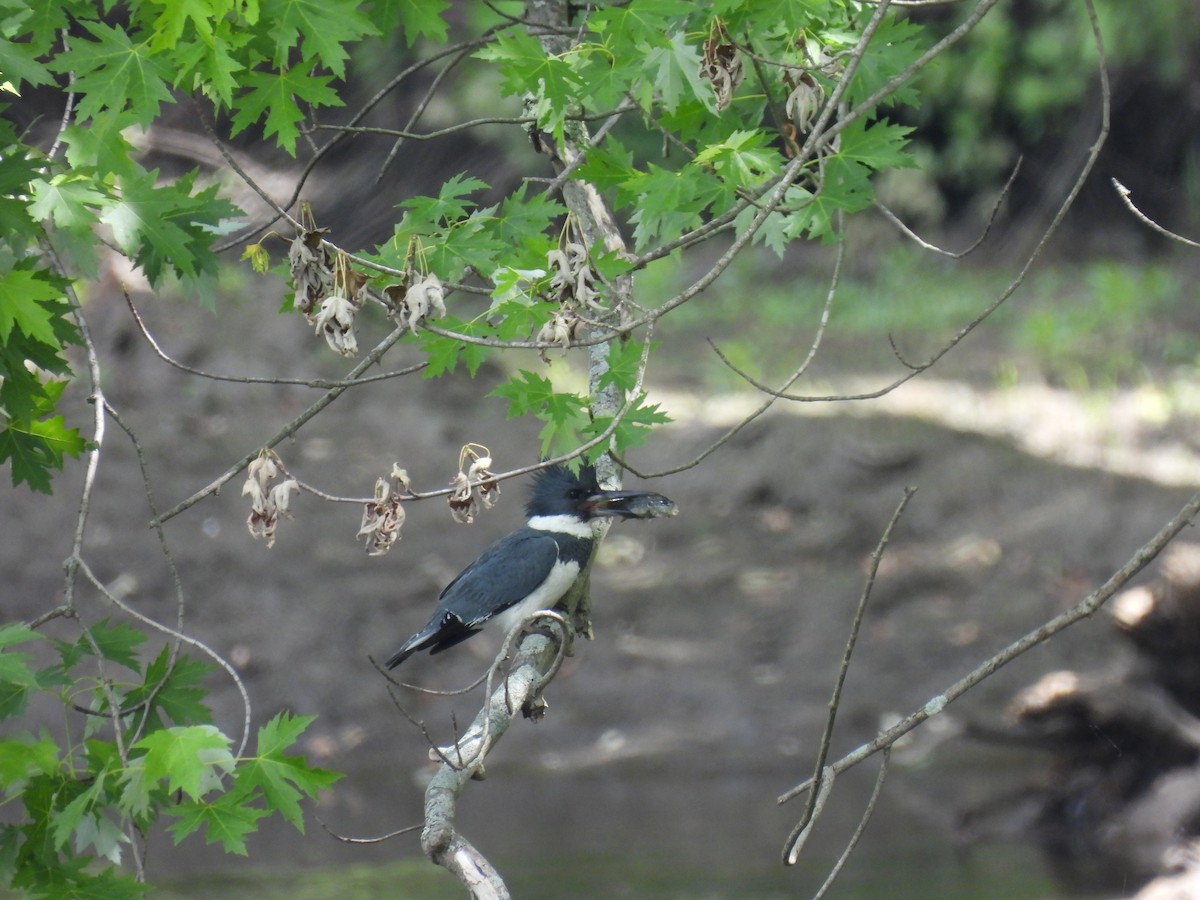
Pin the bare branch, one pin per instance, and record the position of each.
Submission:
(535, 656)
(791, 845)
(419, 110)
(288, 430)
(322, 383)
(1123, 193)
(1082, 610)
(921, 242)
(345, 839)
(834, 281)
(179, 636)
(862, 826)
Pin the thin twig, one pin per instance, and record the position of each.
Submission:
(371, 840)
(324, 150)
(322, 383)
(977, 243)
(180, 636)
(1123, 193)
(806, 818)
(814, 346)
(418, 111)
(862, 826)
(289, 430)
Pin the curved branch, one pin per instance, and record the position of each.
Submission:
(834, 281)
(1082, 610)
(925, 245)
(251, 379)
(287, 431)
(1123, 193)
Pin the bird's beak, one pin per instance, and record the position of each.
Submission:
(630, 505)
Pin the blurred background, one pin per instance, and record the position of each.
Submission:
(1047, 448)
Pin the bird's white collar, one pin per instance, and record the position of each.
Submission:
(562, 525)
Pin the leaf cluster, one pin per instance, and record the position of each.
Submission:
(79, 796)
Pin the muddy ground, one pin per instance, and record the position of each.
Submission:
(718, 633)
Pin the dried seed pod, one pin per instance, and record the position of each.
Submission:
(335, 320)
(383, 515)
(311, 270)
(804, 100)
(561, 329)
(721, 64)
(488, 487)
(463, 505)
(267, 502)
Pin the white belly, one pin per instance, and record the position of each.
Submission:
(557, 583)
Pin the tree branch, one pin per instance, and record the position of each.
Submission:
(1082, 610)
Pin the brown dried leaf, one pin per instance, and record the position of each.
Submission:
(721, 64)
(312, 274)
(804, 101)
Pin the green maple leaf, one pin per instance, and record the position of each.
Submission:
(563, 412)
(24, 294)
(773, 232)
(524, 217)
(175, 690)
(608, 165)
(117, 642)
(101, 143)
(524, 392)
(212, 64)
(450, 205)
(114, 73)
(69, 200)
(416, 18)
(17, 170)
(19, 64)
(675, 78)
(283, 780)
(276, 94)
(524, 66)
(319, 27)
(17, 678)
(668, 202)
(44, 22)
(22, 757)
(31, 439)
(176, 16)
(880, 145)
(743, 158)
(166, 225)
(225, 823)
(190, 758)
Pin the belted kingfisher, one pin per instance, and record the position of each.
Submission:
(535, 566)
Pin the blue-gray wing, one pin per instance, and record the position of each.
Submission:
(502, 576)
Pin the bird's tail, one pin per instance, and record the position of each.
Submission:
(415, 643)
